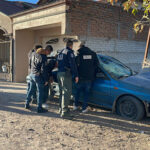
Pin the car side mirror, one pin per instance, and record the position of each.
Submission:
(100, 75)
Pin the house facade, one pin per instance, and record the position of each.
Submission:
(5, 46)
(6, 39)
(106, 29)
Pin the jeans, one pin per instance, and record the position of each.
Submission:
(36, 81)
(34, 90)
(84, 88)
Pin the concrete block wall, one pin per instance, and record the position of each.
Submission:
(130, 53)
(107, 30)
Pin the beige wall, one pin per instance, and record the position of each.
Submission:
(41, 33)
(5, 23)
(40, 18)
(30, 29)
(24, 42)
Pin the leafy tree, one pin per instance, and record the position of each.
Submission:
(135, 6)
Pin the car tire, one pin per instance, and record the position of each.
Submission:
(130, 108)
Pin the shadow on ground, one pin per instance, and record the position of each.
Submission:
(99, 117)
(14, 103)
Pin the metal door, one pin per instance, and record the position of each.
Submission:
(5, 69)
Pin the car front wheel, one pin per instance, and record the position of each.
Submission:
(131, 108)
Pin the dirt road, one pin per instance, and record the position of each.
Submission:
(99, 129)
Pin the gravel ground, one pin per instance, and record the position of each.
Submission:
(99, 129)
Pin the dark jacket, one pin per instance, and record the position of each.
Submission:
(66, 61)
(51, 63)
(87, 63)
(38, 66)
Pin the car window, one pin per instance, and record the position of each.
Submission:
(115, 68)
(101, 74)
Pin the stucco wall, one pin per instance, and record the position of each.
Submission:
(30, 28)
(5, 23)
(48, 16)
(24, 42)
(50, 32)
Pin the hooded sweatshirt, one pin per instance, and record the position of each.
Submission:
(38, 66)
(87, 63)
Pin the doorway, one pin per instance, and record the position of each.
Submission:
(5, 69)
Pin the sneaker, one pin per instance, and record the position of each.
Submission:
(45, 106)
(42, 110)
(75, 108)
(85, 110)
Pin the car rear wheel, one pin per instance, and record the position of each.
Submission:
(131, 108)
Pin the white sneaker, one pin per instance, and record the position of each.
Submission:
(46, 106)
(75, 108)
(85, 110)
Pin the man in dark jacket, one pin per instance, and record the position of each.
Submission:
(39, 77)
(49, 67)
(87, 64)
(67, 70)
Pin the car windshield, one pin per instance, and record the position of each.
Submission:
(115, 68)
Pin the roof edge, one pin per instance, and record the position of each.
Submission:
(38, 8)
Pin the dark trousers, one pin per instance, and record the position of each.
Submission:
(84, 88)
(36, 81)
(46, 93)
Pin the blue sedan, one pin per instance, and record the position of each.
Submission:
(120, 89)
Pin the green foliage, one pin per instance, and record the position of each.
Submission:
(135, 5)
(134, 11)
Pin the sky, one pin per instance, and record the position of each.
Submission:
(30, 1)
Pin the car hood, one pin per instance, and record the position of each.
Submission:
(141, 80)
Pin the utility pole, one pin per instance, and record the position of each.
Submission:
(146, 63)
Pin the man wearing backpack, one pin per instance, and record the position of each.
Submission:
(87, 63)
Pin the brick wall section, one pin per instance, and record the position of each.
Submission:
(107, 30)
(101, 20)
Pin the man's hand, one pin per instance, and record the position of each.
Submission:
(77, 79)
(46, 83)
